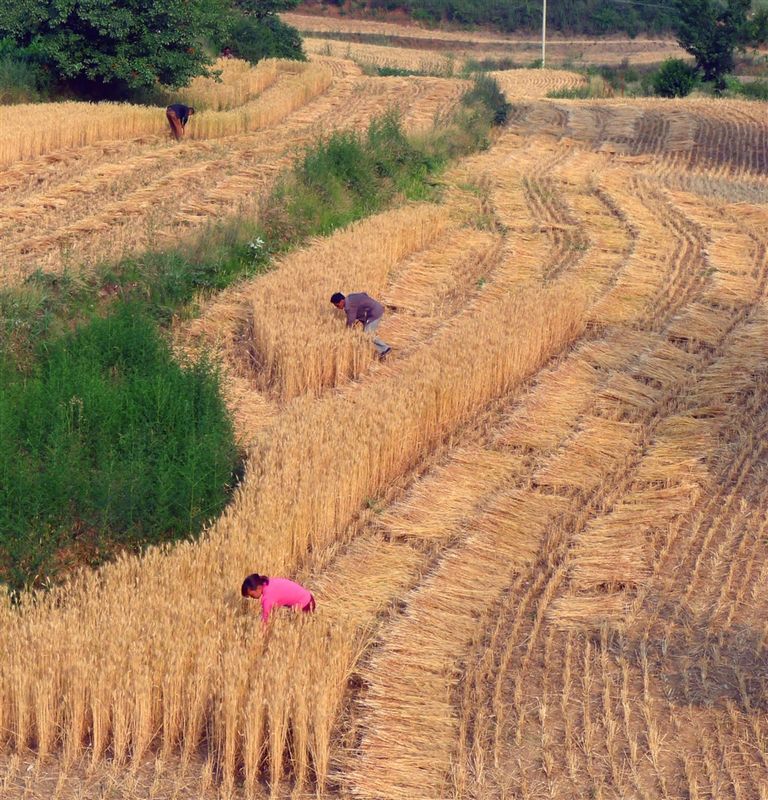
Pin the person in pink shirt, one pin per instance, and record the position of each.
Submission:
(276, 592)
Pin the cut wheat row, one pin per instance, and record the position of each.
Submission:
(291, 459)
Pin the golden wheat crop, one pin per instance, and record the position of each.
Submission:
(148, 194)
(536, 534)
(27, 131)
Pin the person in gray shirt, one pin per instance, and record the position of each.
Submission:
(360, 308)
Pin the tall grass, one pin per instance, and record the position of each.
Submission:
(107, 442)
(346, 177)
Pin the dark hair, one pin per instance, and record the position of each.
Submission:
(253, 581)
(337, 298)
(191, 110)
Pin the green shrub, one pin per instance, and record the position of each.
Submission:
(254, 39)
(675, 78)
(104, 50)
(21, 81)
(472, 65)
(755, 90)
(487, 93)
(576, 93)
(107, 440)
(344, 178)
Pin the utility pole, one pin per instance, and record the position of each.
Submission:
(544, 34)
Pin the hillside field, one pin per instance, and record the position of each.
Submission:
(537, 533)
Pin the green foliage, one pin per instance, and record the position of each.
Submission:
(675, 78)
(487, 93)
(261, 9)
(345, 178)
(473, 65)
(755, 90)
(591, 17)
(107, 440)
(254, 38)
(576, 93)
(19, 82)
(710, 30)
(100, 49)
(166, 283)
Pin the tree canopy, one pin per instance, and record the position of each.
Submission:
(264, 8)
(103, 48)
(710, 30)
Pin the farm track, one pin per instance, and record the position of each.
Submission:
(549, 580)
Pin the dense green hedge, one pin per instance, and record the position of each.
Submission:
(254, 39)
(107, 441)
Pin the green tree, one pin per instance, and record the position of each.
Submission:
(710, 30)
(106, 49)
(674, 78)
(259, 9)
(269, 37)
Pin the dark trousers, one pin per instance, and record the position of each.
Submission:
(177, 129)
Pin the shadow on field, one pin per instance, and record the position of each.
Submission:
(699, 664)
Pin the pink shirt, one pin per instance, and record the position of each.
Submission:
(282, 592)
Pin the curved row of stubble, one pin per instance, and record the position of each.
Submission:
(548, 693)
(149, 653)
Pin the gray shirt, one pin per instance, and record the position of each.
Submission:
(360, 307)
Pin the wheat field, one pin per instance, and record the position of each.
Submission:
(148, 191)
(536, 533)
(427, 50)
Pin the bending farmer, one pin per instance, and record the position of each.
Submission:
(178, 114)
(276, 592)
(368, 312)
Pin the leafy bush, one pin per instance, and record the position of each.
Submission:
(576, 16)
(755, 90)
(472, 65)
(344, 178)
(710, 30)
(674, 78)
(106, 440)
(20, 81)
(254, 39)
(103, 50)
(487, 93)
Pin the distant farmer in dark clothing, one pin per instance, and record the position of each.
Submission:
(178, 114)
(276, 592)
(368, 312)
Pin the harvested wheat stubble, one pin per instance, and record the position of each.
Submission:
(281, 495)
(411, 729)
(590, 455)
(532, 83)
(427, 61)
(243, 168)
(666, 549)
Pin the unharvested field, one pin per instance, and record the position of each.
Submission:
(408, 46)
(536, 534)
